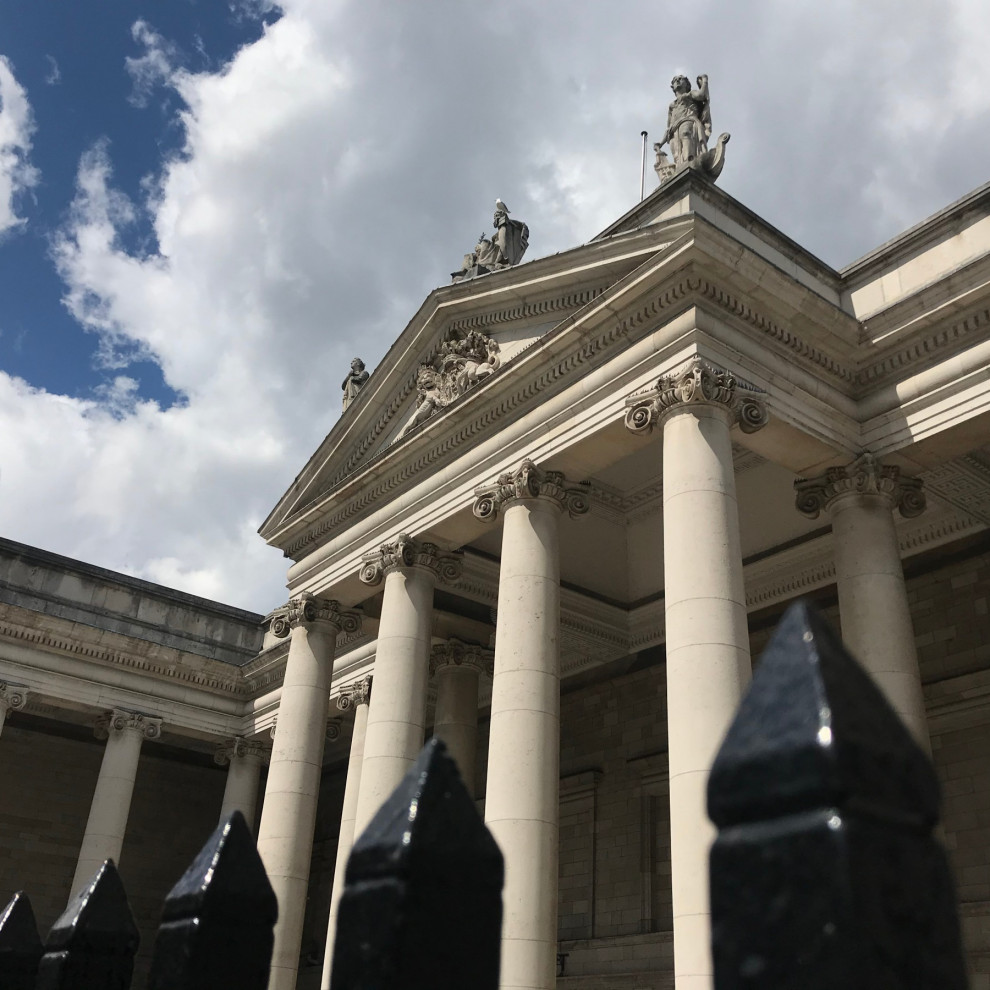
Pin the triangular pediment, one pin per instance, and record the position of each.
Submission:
(551, 320)
(514, 308)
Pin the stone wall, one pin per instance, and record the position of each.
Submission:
(47, 785)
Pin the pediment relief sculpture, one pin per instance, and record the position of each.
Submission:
(465, 359)
(503, 250)
(689, 126)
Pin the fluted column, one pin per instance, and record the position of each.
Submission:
(243, 759)
(521, 803)
(104, 836)
(13, 698)
(397, 715)
(457, 667)
(860, 500)
(285, 836)
(356, 698)
(707, 641)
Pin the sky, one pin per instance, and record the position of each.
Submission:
(208, 207)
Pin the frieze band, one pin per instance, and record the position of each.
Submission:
(527, 482)
(307, 608)
(697, 382)
(119, 720)
(864, 476)
(404, 551)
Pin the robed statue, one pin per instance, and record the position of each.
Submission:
(505, 248)
(354, 381)
(689, 126)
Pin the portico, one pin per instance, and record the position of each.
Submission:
(615, 481)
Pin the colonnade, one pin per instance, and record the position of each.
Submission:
(708, 666)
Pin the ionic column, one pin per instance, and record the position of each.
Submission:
(397, 715)
(521, 804)
(707, 641)
(355, 697)
(13, 697)
(860, 500)
(104, 837)
(243, 758)
(457, 666)
(288, 818)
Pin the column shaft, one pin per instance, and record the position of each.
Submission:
(860, 499)
(524, 745)
(285, 836)
(708, 660)
(107, 822)
(345, 841)
(873, 603)
(457, 667)
(397, 716)
(241, 790)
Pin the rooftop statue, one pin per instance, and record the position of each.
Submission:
(689, 126)
(504, 249)
(356, 377)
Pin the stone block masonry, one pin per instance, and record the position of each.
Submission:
(48, 783)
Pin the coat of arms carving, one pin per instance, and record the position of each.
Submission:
(464, 360)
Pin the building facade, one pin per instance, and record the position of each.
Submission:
(555, 527)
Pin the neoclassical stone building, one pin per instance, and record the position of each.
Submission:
(555, 527)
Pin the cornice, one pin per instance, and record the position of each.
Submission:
(528, 310)
(923, 349)
(228, 679)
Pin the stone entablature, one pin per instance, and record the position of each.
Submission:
(81, 593)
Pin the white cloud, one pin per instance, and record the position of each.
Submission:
(152, 69)
(54, 74)
(339, 167)
(17, 174)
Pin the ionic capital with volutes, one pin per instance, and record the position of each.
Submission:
(306, 609)
(530, 482)
(454, 653)
(13, 697)
(865, 476)
(358, 693)
(698, 382)
(237, 747)
(405, 552)
(118, 720)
